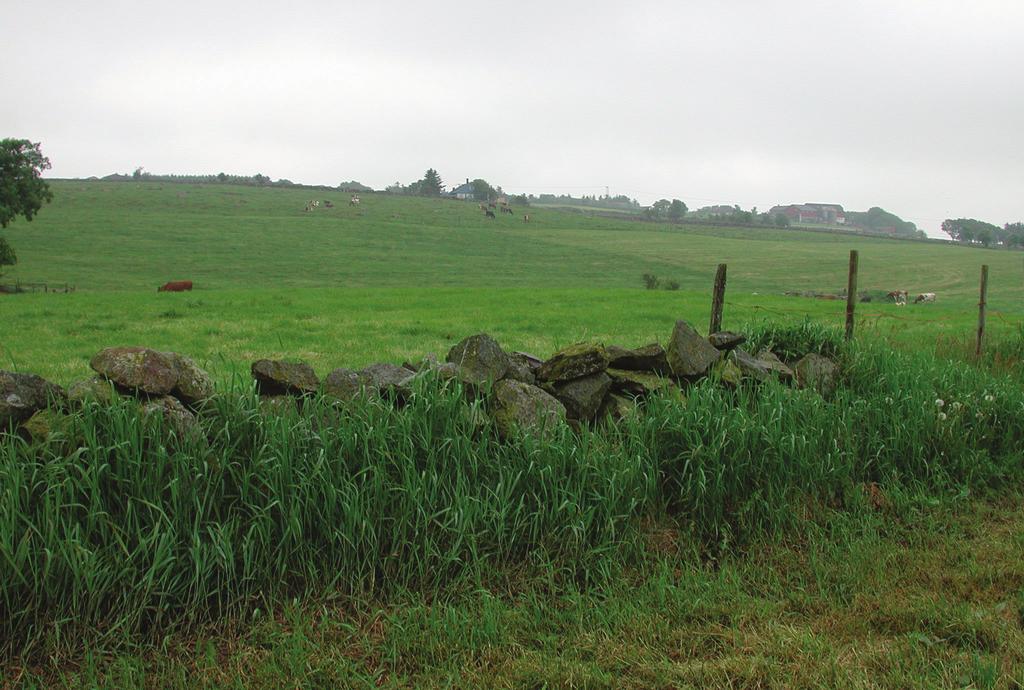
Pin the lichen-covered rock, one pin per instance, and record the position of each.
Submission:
(342, 384)
(138, 369)
(175, 416)
(97, 389)
(480, 359)
(726, 340)
(384, 377)
(775, 365)
(42, 425)
(689, 355)
(583, 397)
(517, 406)
(573, 362)
(751, 367)
(645, 358)
(519, 370)
(278, 377)
(818, 373)
(193, 385)
(729, 374)
(147, 371)
(22, 395)
(616, 407)
(637, 383)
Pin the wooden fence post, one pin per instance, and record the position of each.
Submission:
(717, 301)
(851, 294)
(981, 310)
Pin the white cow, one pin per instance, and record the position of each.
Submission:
(354, 201)
(925, 297)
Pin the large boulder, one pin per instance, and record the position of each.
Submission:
(142, 370)
(174, 416)
(689, 355)
(193, 384)
(775, 365)
(480, 359)
(137, 369)
(726, 340)
(22, 395)
(818, 373)
(645, 358)
(520, 370)
(751, 367)
(342, 384)
(582, 397)
(519, 406)
(278, 377)
(573, 362)
(384, 377)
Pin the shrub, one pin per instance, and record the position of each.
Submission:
(672, 285)
(651, 281)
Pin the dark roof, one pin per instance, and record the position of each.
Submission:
(466, 188)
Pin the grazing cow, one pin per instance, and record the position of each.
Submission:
(507, 209)
(899, 297)
(176, 286)
(328, 204)
(925, 297)
(489, 213)
(483, 207)
(354, 201)
(526, 217)
(491, 204)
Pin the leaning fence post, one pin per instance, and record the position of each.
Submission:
(851, 294)
(981, 310)
(717, 301)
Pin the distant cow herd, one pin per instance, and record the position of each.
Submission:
(502, 205)
(900, 297)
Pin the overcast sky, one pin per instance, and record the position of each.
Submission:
(915, 106)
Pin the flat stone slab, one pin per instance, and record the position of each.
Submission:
(278, 377)
(650, 358)
(573, 362)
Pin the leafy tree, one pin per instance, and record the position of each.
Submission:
(7, 255)
(431, 184)
(23, 191)
(676, 210)
(482, 191)
(781, 220)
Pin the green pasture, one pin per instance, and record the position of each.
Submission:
(55, 335)
(132, 237)
(397, 277)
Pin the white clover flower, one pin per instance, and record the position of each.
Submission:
(939, 402)
(888, 400)
(942, 416)
(955, 406)
(990, 398)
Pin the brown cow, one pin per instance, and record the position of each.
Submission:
(176, 286)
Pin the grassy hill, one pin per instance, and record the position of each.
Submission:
(133, 236)
(418, 274)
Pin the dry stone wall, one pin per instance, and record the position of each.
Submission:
(582, 384)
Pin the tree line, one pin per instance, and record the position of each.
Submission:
(257, 180)
(973, 231)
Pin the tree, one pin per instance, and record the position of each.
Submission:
(7, 255)
(431, 184)
(482, 191)
(676, 210)
(23, 191)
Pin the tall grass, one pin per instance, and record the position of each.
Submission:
(122, 528)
